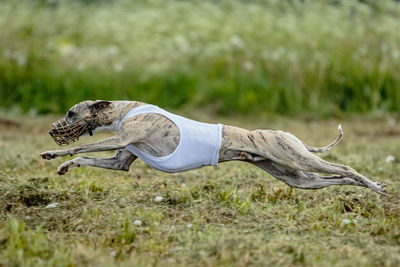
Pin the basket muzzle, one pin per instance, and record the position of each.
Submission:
(65, 133)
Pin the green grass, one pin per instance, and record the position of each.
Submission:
(231, 215)
(323, 57)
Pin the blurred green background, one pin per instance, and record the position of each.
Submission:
(229, 57)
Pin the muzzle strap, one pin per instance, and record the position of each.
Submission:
(90, 129)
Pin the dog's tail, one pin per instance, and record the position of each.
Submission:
(328, 147)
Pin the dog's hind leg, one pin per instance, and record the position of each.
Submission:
(121, 161)
(295, 159)
(301, 179)
(346, 171)
(287, 150)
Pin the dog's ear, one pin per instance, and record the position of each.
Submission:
(99, 105)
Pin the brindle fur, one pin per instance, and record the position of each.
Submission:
(279, 153)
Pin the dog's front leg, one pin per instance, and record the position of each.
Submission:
(121, 161)
(129, 133)
(111, 143)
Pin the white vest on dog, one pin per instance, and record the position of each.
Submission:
(198, 146)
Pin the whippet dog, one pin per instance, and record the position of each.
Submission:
(157, 135)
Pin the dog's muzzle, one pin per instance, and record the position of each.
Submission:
(65, 133)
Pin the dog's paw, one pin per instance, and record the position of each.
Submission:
(63, 168)
(49, 155)
(66, 166)
(381, 186)
(53, 154)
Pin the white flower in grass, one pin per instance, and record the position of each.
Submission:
(67, 49)
(346, 221)
(238, 42)
(118, 67)
(112, 50)
(158, 199)
(137, 222)
(52, 205)
(81, 66)
(189, 225)
(395, 53)
(390, 159)
(278, 54)
(182, 43)
(20, 58)
(248, 65)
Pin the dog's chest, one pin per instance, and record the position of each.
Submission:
(162, 135)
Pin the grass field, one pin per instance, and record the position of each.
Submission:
(317, 56)
(230, 215)
(314, 59)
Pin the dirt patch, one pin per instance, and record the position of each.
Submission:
(29, 197)
(35, 199)
(7, 123)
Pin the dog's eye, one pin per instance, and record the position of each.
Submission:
(71, 114)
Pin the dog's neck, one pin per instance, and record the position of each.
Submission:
(109, 118)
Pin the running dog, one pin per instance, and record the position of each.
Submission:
(172, 143)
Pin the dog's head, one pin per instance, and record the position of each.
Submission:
(81, 119)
